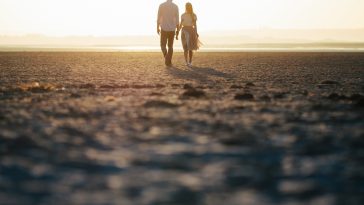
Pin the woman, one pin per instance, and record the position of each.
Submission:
(189, 34)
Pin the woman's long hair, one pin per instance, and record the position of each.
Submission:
(189, 9)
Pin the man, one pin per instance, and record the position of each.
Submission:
(167, 24)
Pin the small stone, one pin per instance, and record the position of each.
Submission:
(239, 108)
(279, 95)
(244, 96)
(22, 143)
(41, 89)
(110, 98)
(202, 87)
(250, 84)
(299, 188)
(356, 97)
(142, 86)
(160, 104)
(335, 96)
(188, 87)
(305, 92)
(109, 86)
(239, 140)
(329, 82)
(88, 86)
(186, 195)
(194, 93)
(160, 86)
(265, 98)
(236, 87)
(360, 103)
(37, 87)
(75, 95)
(156, 94)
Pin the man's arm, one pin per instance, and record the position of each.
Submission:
(179, 27)
(159, 20)
(177, 20)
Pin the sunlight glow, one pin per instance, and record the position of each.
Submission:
(137, 17)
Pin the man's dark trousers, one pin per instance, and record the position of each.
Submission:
(167, 37)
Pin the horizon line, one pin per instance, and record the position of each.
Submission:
(206, 32)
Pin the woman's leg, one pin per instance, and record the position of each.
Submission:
(184, 45)
(186, 55)
(190, 55)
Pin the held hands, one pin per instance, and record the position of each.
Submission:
(177, 33)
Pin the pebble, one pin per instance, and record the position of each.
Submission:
(192, 92)
(160, 104)
(329, 82)
(188, 87)
(250, 84)
(279, 95)
(88, 86)
(265, 98)
(236, 87)
(244, 96)
(335, 97)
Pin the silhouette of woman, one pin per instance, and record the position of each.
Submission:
(189, 33)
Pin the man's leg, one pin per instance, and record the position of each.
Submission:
(170, 47)
(163, 42)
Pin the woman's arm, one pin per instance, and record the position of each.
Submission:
(195, 25)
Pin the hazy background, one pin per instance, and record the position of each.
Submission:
(228, 23)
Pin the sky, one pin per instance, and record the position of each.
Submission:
(138, 17)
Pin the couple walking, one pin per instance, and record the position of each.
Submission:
(169, 26)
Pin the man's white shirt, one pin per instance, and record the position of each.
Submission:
(168, 16)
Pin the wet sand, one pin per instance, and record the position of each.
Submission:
(237, 128)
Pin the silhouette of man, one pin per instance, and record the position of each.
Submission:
(167, 24)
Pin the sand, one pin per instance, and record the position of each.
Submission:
(237, 128)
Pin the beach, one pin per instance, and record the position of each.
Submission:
(236, 128)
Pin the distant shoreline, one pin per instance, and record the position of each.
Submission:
(208, 47)
(177, 49)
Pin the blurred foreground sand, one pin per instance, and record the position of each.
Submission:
(237, 128)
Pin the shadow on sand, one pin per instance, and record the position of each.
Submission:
(196, 73)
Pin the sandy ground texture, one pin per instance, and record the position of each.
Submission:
(237, 128)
